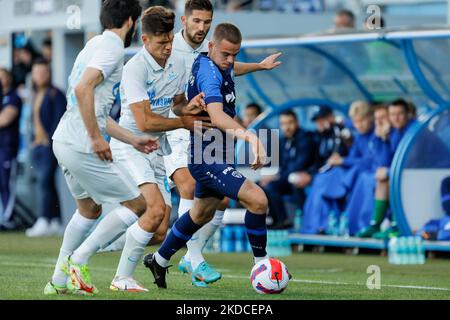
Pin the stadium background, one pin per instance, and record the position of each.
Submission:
(412, 64)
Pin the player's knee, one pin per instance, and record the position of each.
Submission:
(259, 203)
(224, 204)
(137, 205)
(157, 213)
(186, 190)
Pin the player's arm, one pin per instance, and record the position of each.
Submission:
(227, 124)
(148, 121)
(85, 92)
(181, 107)
(268, 63)
(8, 115)
(140, 143)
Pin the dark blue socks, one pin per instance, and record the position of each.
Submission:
(257, 233)
(182, 231)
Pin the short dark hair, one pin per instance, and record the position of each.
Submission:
(255, 106)
(41, 61)
(346, 12)
(379, 106)
(289, 113)
(115, 13)
(202, 5)
(47, 42)
(229, 32)
(401, 103)
(157, 20)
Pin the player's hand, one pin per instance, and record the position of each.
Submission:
(189, 122)
(271, 62)
(260, 155)
(382, 174)
(101, 148)
(197, 105)
(146, 144)
(335, 160)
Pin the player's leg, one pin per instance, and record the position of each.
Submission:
(161, 232)
(253, 198)
(138, 236)
(381, 205)
(189, 223)
(75, 233)
(202, 271)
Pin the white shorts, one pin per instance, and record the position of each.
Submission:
(180, 152)
(89, 177)
(143, 168)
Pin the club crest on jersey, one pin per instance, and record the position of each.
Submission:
(172, 76)
(230, 97)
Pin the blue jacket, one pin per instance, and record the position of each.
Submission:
(296, 154)
(52, 109)
(9, 136)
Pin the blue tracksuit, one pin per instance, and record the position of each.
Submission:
(9, 144)
(360, 204)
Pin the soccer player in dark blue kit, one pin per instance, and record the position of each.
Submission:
(217, 177)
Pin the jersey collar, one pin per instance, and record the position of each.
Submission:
(180, 43)
(114, 36)
(155, 66)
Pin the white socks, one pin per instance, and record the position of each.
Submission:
(200, 238)
(136, 241)
(258, 259)
(184, 206)
(75, 233)
(108, 230)
(163, 262)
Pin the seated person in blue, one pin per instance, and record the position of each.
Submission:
(296, 156)
(332, 138)
(330, 187)
(439, 229)
(10, 109)
(401, 118)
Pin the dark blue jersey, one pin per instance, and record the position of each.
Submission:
(218, 86)
(9, 136)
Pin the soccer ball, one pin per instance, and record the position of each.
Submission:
(269, 276)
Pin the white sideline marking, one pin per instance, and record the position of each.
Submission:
(43, 265)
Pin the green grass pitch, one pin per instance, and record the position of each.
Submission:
(27, 264)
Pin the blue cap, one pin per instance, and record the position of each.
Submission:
(322, 112)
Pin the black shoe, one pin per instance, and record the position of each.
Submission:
(159, 273)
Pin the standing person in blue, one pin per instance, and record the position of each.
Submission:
(213, 168)
(296, 156)
(49, 105)
(400, 119)
(10, 109)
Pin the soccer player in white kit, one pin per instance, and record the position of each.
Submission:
(188, 44)
(78, 142)
(152, 83)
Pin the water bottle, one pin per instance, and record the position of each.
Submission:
(238, 238)
(412, 250)
(420, 250)
(297, 220)
(393, 251)
(227, 239)
(402, 250)
(287, 249)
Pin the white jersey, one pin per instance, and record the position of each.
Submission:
(144, 79)
(183, 50)
(104, 52)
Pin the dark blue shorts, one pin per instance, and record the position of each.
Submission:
(216, 180)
